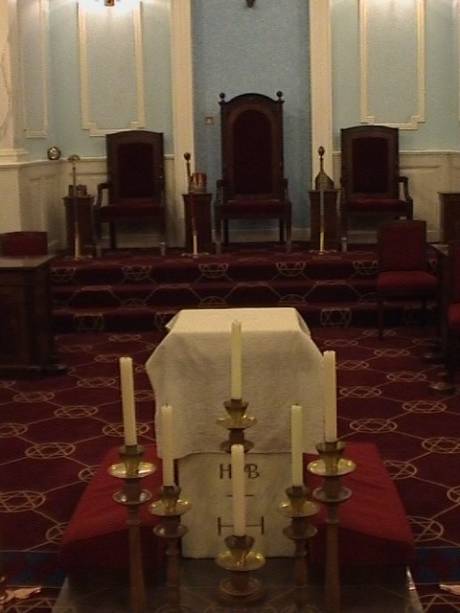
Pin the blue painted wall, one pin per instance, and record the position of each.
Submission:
(441, 129)
(65, 128)
(263, 49)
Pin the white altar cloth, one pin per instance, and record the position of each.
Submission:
(190, 369)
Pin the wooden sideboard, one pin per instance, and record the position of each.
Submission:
(26, 338)
(83, 205)
(200, 205)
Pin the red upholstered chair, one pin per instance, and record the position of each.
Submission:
(253, 185)
(135, 185)
(451, 298)
(370, 178)
(402, 265)
(24, 243)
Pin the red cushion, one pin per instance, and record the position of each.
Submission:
(373, 525)
(416, 283)
(373, 528)
(453, 317)
(97, 534)
(376, 204)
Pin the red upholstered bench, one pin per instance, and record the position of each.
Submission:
(374, 530)
(97, 535)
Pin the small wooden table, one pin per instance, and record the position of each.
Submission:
(200, 205)
(85, 222)
(26, 338)
(331, 219)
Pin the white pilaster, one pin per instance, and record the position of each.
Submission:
(321, 84)
(182, 101)
(10, 152)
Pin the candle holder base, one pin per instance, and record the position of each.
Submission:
(253, 591)
(239, 560)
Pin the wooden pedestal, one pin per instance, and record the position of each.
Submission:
(331, 219)
(200, 206)
(85, 221)
(26, 339)
(449, 216)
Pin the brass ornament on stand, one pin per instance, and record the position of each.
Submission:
(322, 183)
(197, 184)
(132, 469)
(332, 467)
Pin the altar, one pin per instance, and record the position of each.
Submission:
(190, 370)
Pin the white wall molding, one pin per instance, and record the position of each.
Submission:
(366, 114)
(321, 84)
(42, 77)
(88, 122)
(182, 102)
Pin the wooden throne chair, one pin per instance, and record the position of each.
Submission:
(136, 185)
(252, 184)
(370, 179)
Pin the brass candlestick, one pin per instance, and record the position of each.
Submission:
(131, 469)
(299, 509)
(240, 587)
(236, 423)
(332, 467)
(170, 508)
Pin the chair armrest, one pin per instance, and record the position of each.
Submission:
(100, 193)
(405, 185)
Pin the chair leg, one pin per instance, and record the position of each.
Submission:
(288, 235)
(226, 237)
(380, 317)
(423, 313)
(113, 236)
(281, 230)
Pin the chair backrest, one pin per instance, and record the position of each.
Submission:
(252, 146)
(401, 245)
(24, 243)
(370, 162)
(135, 165)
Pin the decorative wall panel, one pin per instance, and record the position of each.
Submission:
(392, 62)
(33, 53)
(111, 75)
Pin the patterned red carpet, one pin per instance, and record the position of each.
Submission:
(54, 432)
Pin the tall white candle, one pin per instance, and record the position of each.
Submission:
(238, 490)
(127, 400)
(297, 444)
(236, 366)
(330, 397)
(166, 413)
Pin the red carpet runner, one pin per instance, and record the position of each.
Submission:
(54, 431)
